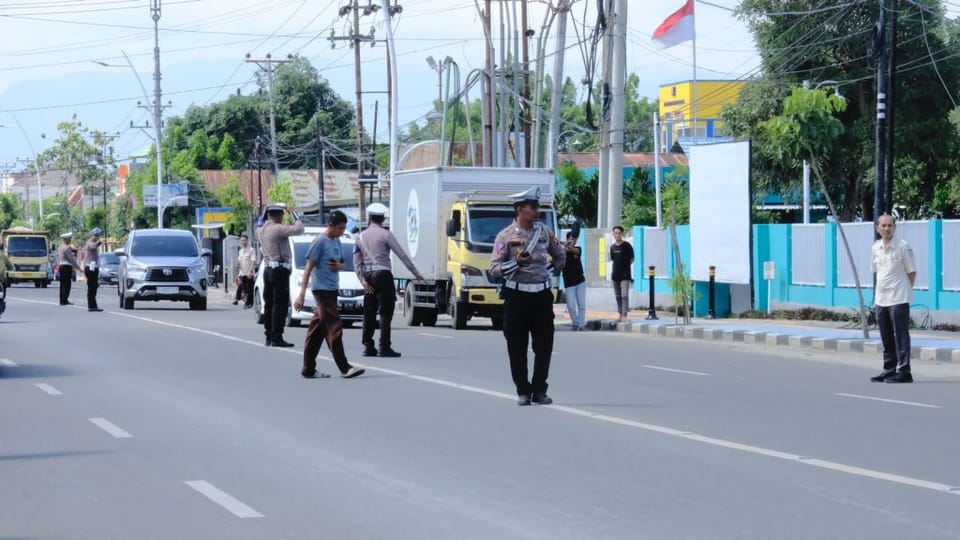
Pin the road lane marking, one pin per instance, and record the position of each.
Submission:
(110, 428)
(7, 362)
(653, 428)
(224, 499)
(434, 335)
(897, 401)
(699, 373)
(48, 389)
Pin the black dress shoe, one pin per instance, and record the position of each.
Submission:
(281, 343)
(883, 376)
(95, 309)
(370, 351)
(902, 377)
(234, 302)
(388, 353)
(314, 375)
(523, 399)
(542, 399)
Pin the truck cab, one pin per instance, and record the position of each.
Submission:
(472, 229)
(27, 256)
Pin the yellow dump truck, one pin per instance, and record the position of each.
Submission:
(28, 255)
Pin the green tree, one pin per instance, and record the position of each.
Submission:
(828, 44)
(576, 194)
(808, 128)
(9, 210)
(230, 195)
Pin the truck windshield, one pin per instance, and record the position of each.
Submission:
(164, 246)
(27, 246)
(486, 223)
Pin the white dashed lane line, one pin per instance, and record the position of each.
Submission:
(7, 362)
(685, 372)
(110, 428)
(48, 389)
(885, 400)
(435, 335)
(227, 501)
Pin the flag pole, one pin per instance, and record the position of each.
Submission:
(696, 117)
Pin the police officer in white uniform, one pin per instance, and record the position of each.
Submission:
(525, 255)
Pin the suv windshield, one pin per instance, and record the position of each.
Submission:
(300, 254)
(27, 246)
(164, 246)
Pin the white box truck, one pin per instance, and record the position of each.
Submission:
(447, 219)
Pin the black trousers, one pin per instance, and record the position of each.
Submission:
(276, 301)
(93, 283)
(383, 300)
(245, 288)
(66, 281)
(525, 316)
(894, 324)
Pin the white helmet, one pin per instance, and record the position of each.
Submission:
(377, 209)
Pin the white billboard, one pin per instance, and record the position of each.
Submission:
(720, 211)
(168, 194)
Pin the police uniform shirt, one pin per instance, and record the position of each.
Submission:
(67, 255)
(892, 263)
(273, 244)
(513, 240)
(374, 247)
(91, 252)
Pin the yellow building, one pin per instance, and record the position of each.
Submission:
(679, 119)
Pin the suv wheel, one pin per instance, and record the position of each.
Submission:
(198, 304)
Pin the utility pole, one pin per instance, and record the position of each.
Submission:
(268, 65)
(617, 79)
(157, 104)
(488, 89)
(891, 97)
(256, 150)
(557, 91)
(883, 59)
(355, 38)
(321, 171)
(603, 187)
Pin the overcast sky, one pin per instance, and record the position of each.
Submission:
(49, 50)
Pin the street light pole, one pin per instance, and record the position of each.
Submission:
(157, 106)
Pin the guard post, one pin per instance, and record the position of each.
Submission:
(711, 313)
(652, 312)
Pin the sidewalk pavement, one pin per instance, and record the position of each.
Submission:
(928, 346)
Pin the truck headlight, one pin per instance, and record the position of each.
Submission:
(470, 271)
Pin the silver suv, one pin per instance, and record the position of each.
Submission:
(162, 264)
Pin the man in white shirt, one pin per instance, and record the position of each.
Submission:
(896, 272)
(246, 264)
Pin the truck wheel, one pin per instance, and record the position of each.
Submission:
(127, 302)
(37, 284)
(411, 314)
(459, 315)
(429, 317)
(497, 322)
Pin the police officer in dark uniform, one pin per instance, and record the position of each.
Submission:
(278, 261)
(525, 255)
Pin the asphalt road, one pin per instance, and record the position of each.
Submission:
(172, 424)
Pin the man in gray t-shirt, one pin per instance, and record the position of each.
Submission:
(322, 272)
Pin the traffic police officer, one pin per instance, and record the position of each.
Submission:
(67, 259)
(520, 258)
(278, 261)
(90, 260)
(371, 261)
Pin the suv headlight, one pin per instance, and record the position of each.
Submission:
(199, 269)
(136, 271)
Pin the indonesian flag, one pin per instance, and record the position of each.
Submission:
(676, 28)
